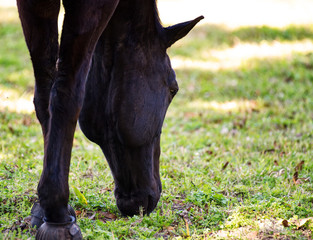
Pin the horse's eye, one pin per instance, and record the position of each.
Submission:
(172, 83)
(173, 92)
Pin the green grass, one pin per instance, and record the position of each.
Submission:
(227, 170)
(216, 37)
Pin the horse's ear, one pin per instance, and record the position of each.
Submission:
(178, 31)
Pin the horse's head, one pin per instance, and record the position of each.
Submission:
(139, 86)
(146, 87)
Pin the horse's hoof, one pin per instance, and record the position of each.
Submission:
(37, 214)
(59, 231)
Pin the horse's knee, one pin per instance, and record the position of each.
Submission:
(66, 101)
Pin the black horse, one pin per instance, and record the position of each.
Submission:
(112, 72)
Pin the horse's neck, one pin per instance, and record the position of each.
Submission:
(134, 23)
(135, 17)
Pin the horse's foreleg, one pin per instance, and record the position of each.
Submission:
(40, 27)
(83, 24)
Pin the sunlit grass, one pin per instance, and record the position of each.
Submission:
(215, 47)
(8, 15)
(229, 106)
(12, 101)
(234, 57)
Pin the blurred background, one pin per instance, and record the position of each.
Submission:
(231, 33)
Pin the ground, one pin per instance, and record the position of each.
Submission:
(237, 142)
